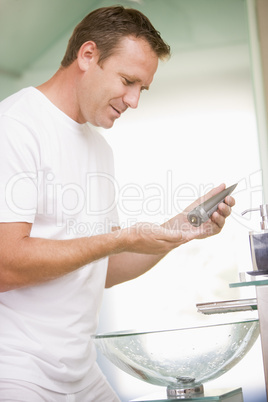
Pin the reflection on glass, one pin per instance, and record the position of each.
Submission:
(180, 357)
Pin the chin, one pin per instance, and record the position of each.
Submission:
(107, 124)
(101, 124)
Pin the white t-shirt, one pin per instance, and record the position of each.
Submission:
(58, 175)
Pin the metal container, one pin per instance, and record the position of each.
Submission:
(259, 252)
(259, 243)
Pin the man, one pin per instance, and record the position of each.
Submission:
(56, 168)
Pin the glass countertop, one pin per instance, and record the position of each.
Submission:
(257, 282)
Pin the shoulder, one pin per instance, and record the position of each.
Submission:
(16, 121)
(18, 102)
(20, 110)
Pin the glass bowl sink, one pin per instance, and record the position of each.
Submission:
(180, 358)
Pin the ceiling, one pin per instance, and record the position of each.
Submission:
(29, 28)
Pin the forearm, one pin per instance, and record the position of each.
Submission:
(26, 261)
(35, 260)
(127, 266)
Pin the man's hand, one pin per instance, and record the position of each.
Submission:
(150, 238)
(212, 227)
(146, 244)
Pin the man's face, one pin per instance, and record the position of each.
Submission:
(106, 91)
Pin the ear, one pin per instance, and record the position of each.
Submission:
(86, 54)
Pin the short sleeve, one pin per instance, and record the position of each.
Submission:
(19, 160)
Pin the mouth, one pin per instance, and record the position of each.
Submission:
(116, 111)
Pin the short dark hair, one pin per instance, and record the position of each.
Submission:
(106, 27)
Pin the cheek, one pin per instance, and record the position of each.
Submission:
(99, 97)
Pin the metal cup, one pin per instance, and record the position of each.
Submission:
(259, 251)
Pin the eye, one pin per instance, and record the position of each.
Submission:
(128, 82)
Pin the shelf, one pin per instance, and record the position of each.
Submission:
(261, 282)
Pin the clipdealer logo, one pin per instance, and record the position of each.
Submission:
(30, 193)
(39, 193)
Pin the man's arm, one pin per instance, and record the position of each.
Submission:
(127, 266)
(26, 261)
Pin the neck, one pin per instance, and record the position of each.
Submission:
(60, 90)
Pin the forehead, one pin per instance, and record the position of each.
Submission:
(135, 46)
(134, 56)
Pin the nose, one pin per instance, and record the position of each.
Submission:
(132, 97)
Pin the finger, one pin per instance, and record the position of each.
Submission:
(225, 208)
(229, 200)
(218, 219)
